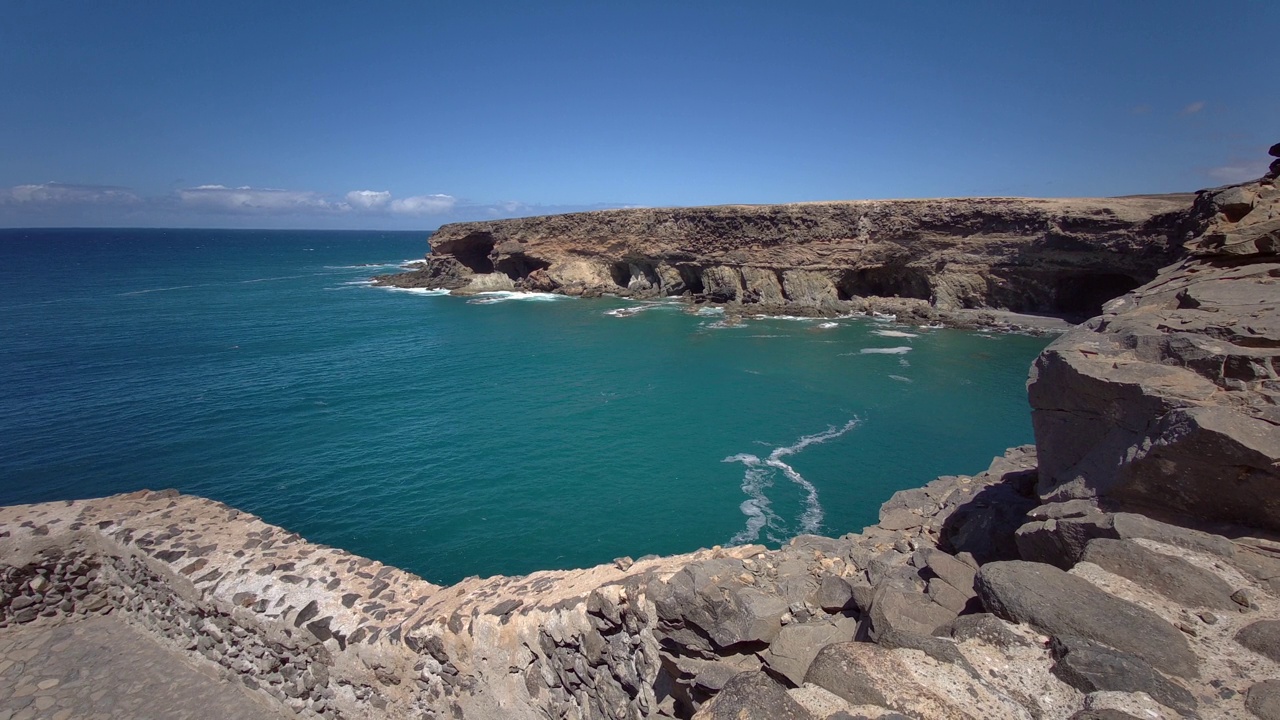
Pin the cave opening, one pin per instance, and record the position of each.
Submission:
(519, 267)
(691, 276)
(884, 282)
(1085, 294)
(621, 273)
(473, 251)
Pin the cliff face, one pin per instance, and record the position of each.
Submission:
(1042, 256)
(1171, 398)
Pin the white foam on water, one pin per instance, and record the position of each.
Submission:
(894, 333)
(417, 291)
(828, 325)
(903, 350)
(904, 362)
(899, 378)
(759, 476)
(155, 290)
(881, 317)
(497, 296)
(710, 311)
(626, 311)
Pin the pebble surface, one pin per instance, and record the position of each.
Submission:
(99, 668)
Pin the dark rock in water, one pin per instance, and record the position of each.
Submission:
(752, 696)
(1262, 637)
(1263, 699)
(1172, 577)
(1089, 667)
(987, 628)
(1062, 604)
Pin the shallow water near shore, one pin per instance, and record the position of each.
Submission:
(460, 436)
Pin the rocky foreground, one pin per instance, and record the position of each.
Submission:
(1124, 567)
(930, 259)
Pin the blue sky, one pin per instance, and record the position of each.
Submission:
(408, 115)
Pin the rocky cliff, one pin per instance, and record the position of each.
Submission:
(1064, 256)
(1171, 398)
(1124, 567)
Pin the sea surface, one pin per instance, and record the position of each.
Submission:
(451, 436)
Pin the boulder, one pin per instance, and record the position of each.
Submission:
(1058, 537)
(1131, 526)
(899, 611)
(1262, 637)
(797, 644)
(1263, 699)
(985, 628)
(1089, 667)
(867, 674)
(1172, 577)
(834, 594)
(752, 696)
(1060, 604)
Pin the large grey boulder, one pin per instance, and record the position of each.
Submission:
(1172, 577)
(1170, 399)
(795, 647)
(1262, 637)
(752, 696)
(1061, 604)
(1263, 699)
(1089, 667)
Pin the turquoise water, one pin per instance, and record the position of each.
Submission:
(457, 437)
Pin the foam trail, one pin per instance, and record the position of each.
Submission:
(885, 351)
(894, 333)
(758, 508)
(416, 291)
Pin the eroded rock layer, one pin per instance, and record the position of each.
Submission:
(1171, 398)
(1064, 256)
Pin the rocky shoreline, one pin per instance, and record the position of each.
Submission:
(1126, 566)
(952, 261)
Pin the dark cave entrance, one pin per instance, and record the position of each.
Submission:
(1085, 294)
(473, 251)
(884, 282)
(518, 267)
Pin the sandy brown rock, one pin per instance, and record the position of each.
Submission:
(1027, 255)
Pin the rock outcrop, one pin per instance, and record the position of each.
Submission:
(1170, 399)
(1025, 255)
(1121, 568)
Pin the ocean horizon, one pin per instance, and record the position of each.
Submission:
(453, 436)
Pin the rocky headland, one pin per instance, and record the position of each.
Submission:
(1125, 566)
(935, 260)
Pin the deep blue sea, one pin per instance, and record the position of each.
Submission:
(454, 436)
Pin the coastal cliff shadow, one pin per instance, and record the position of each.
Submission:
(985, 525)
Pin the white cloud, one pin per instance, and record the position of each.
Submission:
(54, 193)
(424, 205)
(1236, 172)
(368, 199)
(254, 200)
(1193, 108)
